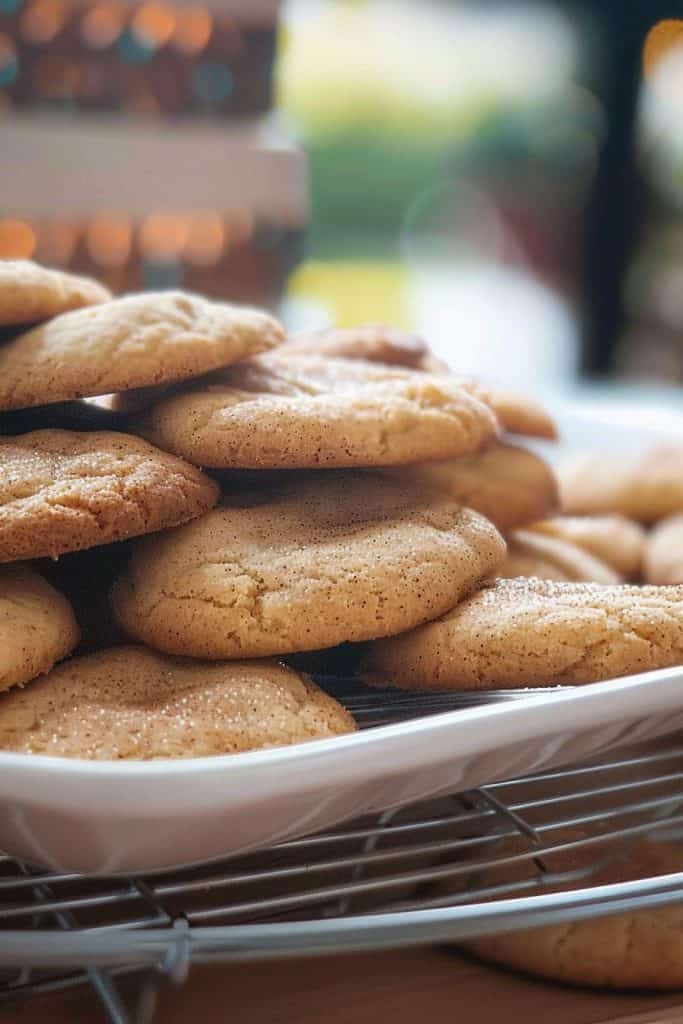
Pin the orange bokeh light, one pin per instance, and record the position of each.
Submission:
(102, 25)
(154, 23)
(43, 20)
(109, 240)
(163, 235)
(193, 30)
(205, 239)
(17, 239)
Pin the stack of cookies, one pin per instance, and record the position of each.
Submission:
(185, 495)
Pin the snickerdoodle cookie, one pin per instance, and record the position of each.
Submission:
(663, 561)
(129, 703)
(37, 626)
(61, 490)
(508, 485)
(131, 342)
(549, 558)
(340, 557)
(633, 950)
(289, 412)
(518, 414)
(30, 293)
(615, 540)
(645, 486)
(528, 632)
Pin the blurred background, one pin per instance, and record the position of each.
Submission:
(505, 179)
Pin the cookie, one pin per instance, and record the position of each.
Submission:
(615, 540)
(521, 632)
(129, 703)
(37, 626)
(508, 485)
(549, 558)
(30, 293)
(374, 343)
(305, 412)
(633, 950)
(518, 414)
(644, 486)
(64, 491)
(663, 560)
(135, 341)
(345, 557)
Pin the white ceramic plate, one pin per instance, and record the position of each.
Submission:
(111, 817)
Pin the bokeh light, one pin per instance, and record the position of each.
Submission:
(42, 20)
(193, 30)
(9, 61)
(102, 25)
(163, 235)
(134, 50)
(212, 82)
(153, 25)
(109, 240)
(205, 239)
(17, 239)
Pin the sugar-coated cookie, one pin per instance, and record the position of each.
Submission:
(663, 560)
(376, 343)
(340, 557)
(306, 412)
(131, 342)
(549, 558)
(62, 491)
(645, 486)
(633, 950)
(30, 293)
(615, 540)
(509, 485)
(37, 625)
(528, 632)
(128, 703)
(518, 414)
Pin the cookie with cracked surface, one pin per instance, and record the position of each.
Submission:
(65, 491)
(131, 342)
(663, 561)
(129, 703)
(634, 950)
(375, 343)
(343, 557)
(306, 412)
(508, 485)
(645, 486)
(30, 293)
(529, 632)
(549, 558)
(37, 626)
(615, 540)
(518, 414)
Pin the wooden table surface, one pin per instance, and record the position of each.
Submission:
(423, 986)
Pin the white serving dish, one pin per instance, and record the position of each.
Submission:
(112, 817)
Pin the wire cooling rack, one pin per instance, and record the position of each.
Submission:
(509, 855)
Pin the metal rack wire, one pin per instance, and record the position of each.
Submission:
(513, 854)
